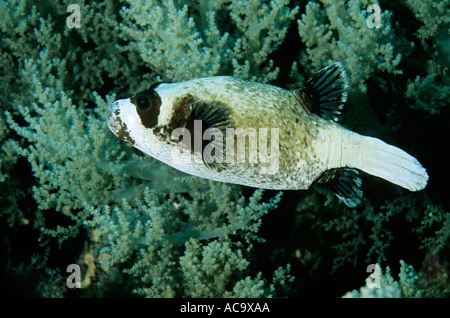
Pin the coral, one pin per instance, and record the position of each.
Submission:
(208, 270)
(338, 31)
(66, 175)
(163, 233)
(434, 16)
(370, 231)
(405, 287)
(430, 92)
(439, 220)
(171, 36)
(71, 192)
(348, 223)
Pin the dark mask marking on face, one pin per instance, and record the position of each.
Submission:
(148, 104)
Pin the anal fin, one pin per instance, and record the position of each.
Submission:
(345, 183)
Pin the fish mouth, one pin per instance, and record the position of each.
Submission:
(116, 125)
(113, 120)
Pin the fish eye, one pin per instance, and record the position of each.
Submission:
(147, 105)
(143, 102)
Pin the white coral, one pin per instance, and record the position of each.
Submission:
(337, 30)
(181, 40)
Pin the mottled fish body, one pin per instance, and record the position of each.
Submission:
(264, 136)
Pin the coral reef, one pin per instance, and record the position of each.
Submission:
(72, 193)
(388, 287)
(342, 34)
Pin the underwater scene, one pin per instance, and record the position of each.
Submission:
(98, 199)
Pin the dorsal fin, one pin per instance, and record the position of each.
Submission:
(346, 184)
(325, 92)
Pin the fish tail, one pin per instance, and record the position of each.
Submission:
(390, 163)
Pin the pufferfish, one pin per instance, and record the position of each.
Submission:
(225, 122)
